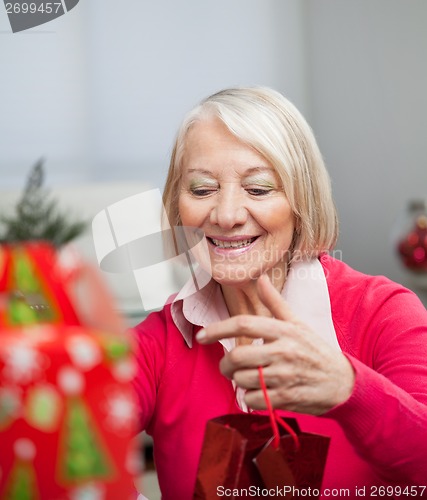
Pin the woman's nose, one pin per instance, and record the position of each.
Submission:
(229, 209)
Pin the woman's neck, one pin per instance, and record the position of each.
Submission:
(243, 298)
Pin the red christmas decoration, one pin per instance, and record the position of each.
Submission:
(67, 408)
(412, 248)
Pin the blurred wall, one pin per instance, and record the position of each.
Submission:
(368, 81)
(100, 91)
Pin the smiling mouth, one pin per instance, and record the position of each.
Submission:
(232, 244)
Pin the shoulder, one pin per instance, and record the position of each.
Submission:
(157, 324)
(347, 284)
(374, 306)
(159, 333)
(152, 332)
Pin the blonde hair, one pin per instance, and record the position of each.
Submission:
(266, 121)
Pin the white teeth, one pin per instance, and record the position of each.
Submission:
(232, 244)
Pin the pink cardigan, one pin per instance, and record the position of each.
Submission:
(378, 436)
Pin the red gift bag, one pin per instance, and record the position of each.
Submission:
(249, 455)
(67, 407)
(238, 453)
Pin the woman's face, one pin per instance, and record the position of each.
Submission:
(235, 197)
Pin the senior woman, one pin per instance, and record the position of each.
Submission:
(343, 352)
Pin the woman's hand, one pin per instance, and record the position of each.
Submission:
(302, 373)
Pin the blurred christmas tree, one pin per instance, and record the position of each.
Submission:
(22, 482)
(83, 457)
(37, 216)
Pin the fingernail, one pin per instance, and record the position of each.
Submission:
(201, 335)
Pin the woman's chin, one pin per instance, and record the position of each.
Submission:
(235, 277)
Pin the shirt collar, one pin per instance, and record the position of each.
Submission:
(203, 307)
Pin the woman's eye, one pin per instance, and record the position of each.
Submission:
(258, 191)
(201, 192)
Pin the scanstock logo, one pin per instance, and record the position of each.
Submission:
(26, 14)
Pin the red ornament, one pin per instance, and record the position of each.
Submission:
(412, 248)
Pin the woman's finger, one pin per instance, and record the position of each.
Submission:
(274, 377)
(254, 326)
(273, 300)
(247, 379)
(244, 325)
(244, 357)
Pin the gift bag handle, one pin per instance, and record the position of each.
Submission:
(275, 420)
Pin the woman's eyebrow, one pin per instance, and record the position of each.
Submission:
(199, 171)
(247, 172)
(252, 170)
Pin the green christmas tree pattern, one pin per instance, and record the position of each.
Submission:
(27, 304)
(22, 482)
(83, 456)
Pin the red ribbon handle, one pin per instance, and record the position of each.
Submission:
(275, 420)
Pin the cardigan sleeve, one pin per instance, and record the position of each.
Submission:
(386, 426)
(150, 339)
(382, 328)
